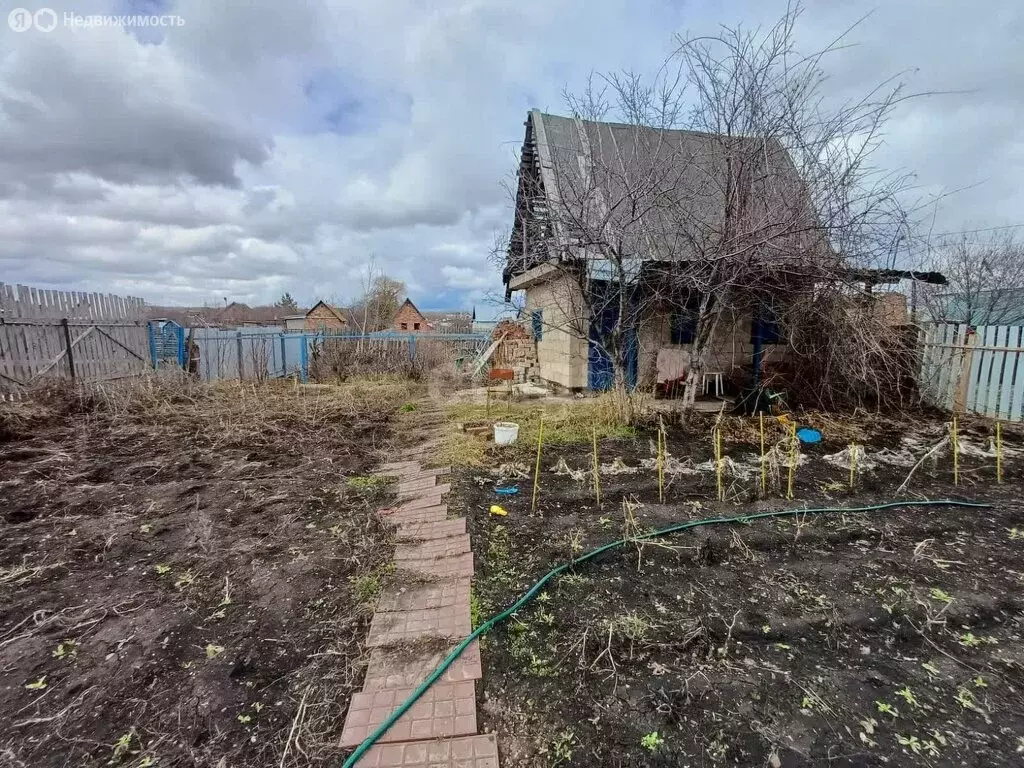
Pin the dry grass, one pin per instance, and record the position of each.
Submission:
(564, 423)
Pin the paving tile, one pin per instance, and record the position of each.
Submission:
(391, 627)
(407, 485)
(439, 594)
(433, 499)
(445, 709)
(407, 667)
(421, 516)
(464, 752)
(453, 545)
(427, 531)
(440, 567)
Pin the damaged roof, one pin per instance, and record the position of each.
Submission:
(657, 192)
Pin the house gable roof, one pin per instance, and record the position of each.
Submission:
(333, 310)
(605, 172)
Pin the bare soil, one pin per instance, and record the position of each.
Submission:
(849, 639)
(186, 573)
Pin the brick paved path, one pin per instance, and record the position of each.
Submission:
(419, 620)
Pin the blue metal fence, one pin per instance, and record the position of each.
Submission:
(268, 352)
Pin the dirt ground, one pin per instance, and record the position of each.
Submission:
(851, 639)
(186, 572)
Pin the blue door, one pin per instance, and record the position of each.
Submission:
(601, 374)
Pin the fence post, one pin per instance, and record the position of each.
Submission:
(241, 365)
(67, 348)
(284, 359)
(412, 347)
(963, 384)
(304, 360)
(152, 344)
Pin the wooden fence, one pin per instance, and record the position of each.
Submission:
(976, 370)
(69, 334)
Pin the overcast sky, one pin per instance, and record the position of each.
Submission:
(270, 145)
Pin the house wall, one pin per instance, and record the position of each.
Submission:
(561, 351)
(731, 348)
(410, 317)
(322, 318)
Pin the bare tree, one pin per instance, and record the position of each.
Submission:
(380, 299)
(985, 280)
(730, 183)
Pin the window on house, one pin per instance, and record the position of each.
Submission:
(405, 326)
(415, 326)
(767, 324)
(537, 318)
(682, 327)
(683, 322)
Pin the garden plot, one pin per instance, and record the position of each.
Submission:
(187, 574)
(849, 639)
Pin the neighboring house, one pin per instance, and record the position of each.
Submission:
(996, 306)
(408, 319)
(323, 317)
(294, 323)
(449, 321)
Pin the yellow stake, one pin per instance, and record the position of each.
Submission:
(597, 473)
(792, 460)
(956, 454)
(718, 463)
(536, 471)
(661, 462)
(999, 452)
(764, 459)
(853, 462)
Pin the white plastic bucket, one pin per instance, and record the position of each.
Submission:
(505, 433)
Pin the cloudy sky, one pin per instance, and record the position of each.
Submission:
(272, 146)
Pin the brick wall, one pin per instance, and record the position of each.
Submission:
(561, 351)
(321, 318)
(408, 320)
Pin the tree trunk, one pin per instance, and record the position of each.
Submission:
(708, 316)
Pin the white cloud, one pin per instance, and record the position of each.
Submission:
(266, 147)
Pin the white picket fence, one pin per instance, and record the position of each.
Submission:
(976, 370)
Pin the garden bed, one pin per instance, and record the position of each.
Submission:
(187, 572)
(847, 639)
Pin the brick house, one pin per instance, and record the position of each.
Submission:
(323, 317)
(408, 319)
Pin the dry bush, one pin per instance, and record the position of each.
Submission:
(843, 356)
(343, 359)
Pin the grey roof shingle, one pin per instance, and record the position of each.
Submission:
(660, 194)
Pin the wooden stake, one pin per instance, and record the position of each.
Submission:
(536, 471)
(764, 459)
(853, 463)
(509, 411)
(488, 402)
(955, 440)
(718, 463)
(597, 472)
(792, 460)
(999, 452)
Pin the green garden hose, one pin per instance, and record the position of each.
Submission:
(532, 592)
